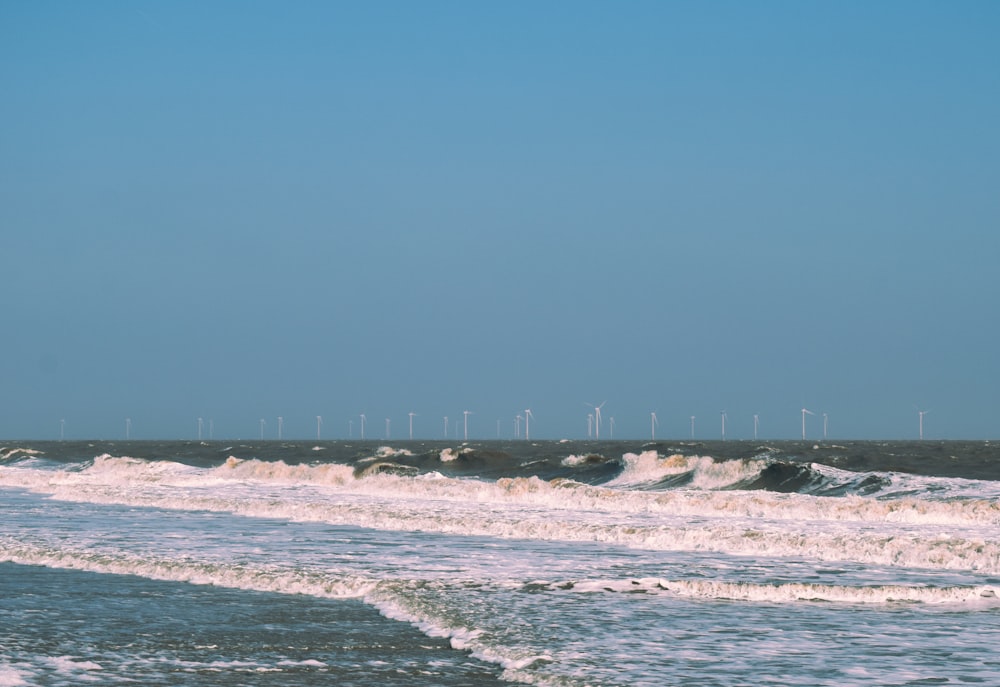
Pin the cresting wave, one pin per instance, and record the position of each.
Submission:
(270, 578)
(732, 522)
(981, 596)
(625, 494)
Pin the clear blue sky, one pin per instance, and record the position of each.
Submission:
(245, 210)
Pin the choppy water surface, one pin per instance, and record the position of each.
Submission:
(543, 563)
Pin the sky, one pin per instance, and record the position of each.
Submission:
(250, 210)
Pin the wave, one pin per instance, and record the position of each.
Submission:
(981, 596)
(230, 575)
(649, 471)
(514, 510)
(714, 489)
(11, 455)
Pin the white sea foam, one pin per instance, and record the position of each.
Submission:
(12, 677)
(982, 596)
(263, 578)
(69, 665)
(950, 534)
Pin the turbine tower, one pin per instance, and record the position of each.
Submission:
(262, 429)
(756, 425)
(411, 424)
(527, 419)
(804, 413)
(281, 423)
(387, 434)
(692, 426)
(597, 419)
(921, 414)
(128, 428)
(653, 422)
(445, 426)
(363, 418)
(466, 414)
(723, 413)
(319, 426)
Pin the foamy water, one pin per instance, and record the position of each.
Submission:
(553, 581)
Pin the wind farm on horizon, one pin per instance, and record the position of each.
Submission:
(520, 428)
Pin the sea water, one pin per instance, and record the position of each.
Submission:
(542, 563)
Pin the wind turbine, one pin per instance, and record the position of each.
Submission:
(597, 419)
(319, 426)
(363, 418)
(411, 424)
(517, 426)
(128, 427)
(921, 414)
(62, 430)
(466, 414)
(653, 422)
(527, 419)
(756, 425)
(281, 423)
(723, 413)
(262, 429)
(692, 426)
(804, 413)
(387, 434)
(445, 426)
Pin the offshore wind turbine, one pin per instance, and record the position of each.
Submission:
(350, 429)
(445, 426)
(653, 422)
(756, 425)
(920, 414)
(262, 429)
(465, 415)
(804, 413)
(281, 423)
(411, 413)
(128, 428)
(62, 430)
(723, 413)
(517, 426)
(387, 435)
(319, 426)
(692, 426)
(527, 418)
(597, 419)
(363, 418)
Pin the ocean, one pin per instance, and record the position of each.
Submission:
(489, 563)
